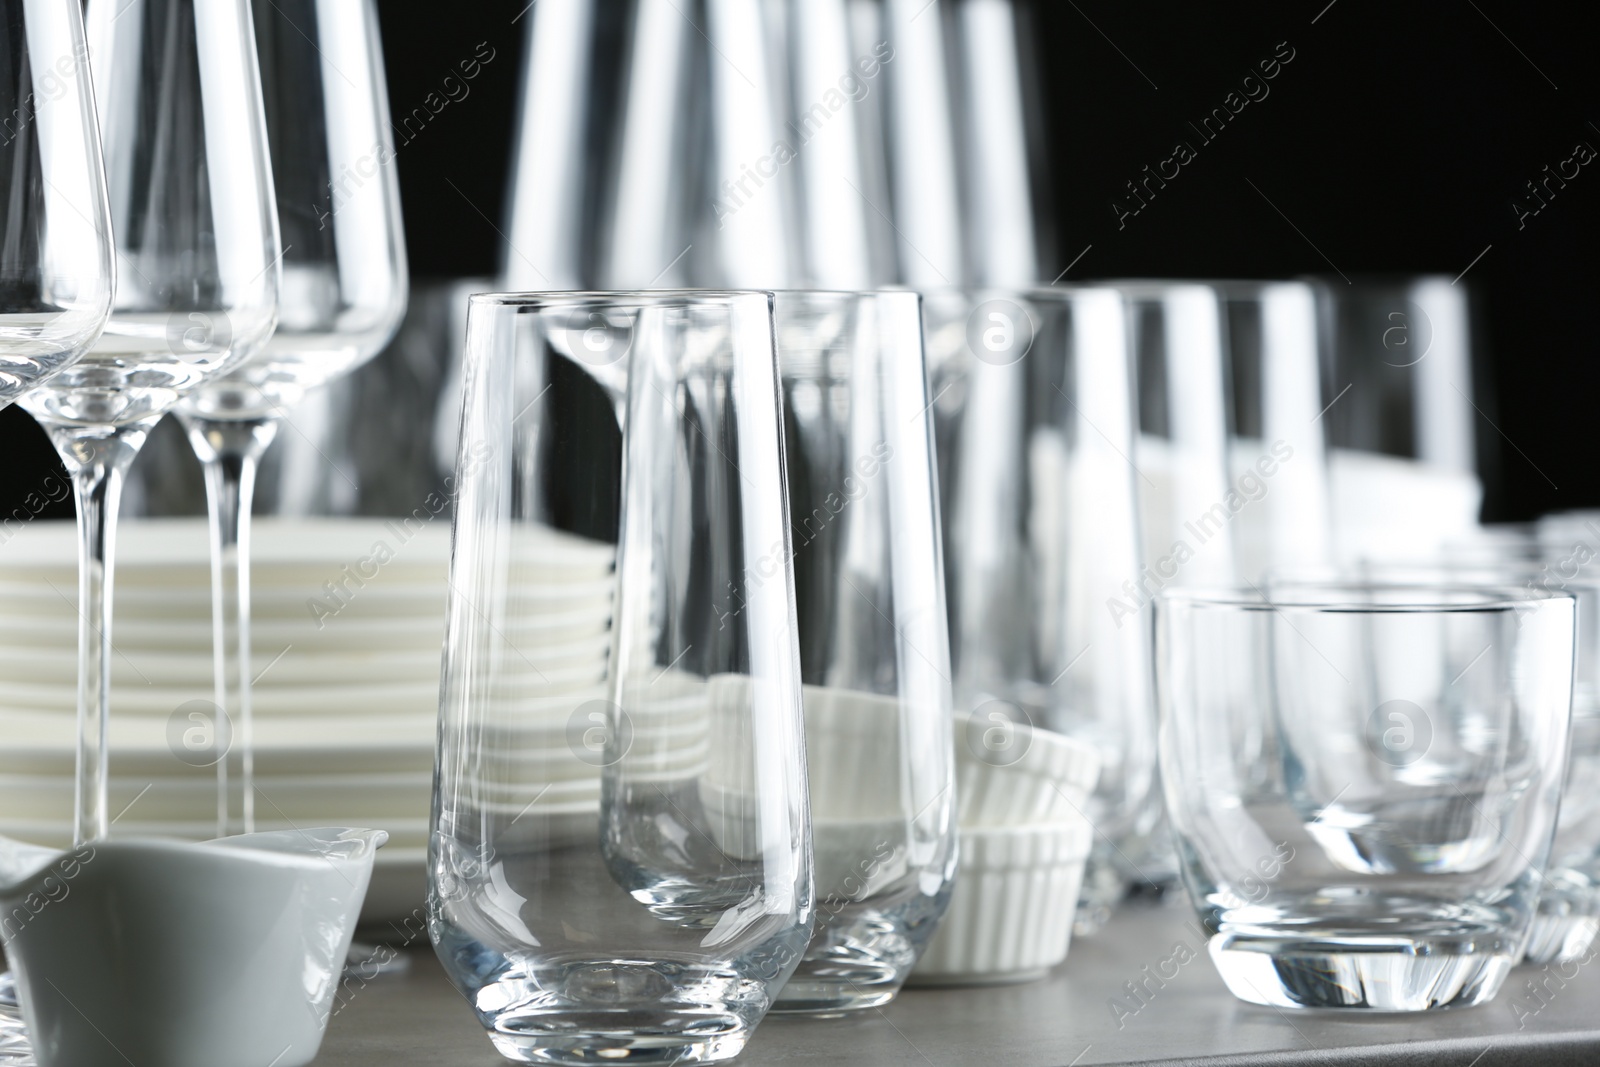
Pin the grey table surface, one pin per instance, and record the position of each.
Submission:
(1083, 1013)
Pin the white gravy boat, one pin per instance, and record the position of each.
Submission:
(164, 953)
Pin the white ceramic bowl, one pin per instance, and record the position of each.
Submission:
(1010, 914)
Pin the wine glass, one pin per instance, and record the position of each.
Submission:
(191, 202)
(56, 272)
(343, 292)
(620, 847)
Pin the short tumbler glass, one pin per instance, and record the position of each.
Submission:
(874, 648)
(1363, 781)
(620, 651)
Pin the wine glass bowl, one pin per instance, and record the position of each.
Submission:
(56, 273)
(191, 205)
(344, 285)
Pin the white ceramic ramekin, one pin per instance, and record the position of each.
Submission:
(1010, 775)
(1010, 914)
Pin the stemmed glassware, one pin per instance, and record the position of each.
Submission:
(343, 292)
(179, 103)
(56, 271)
(620, 853)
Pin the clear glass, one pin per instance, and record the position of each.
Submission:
(1278, 492)
(1569, 901)
(1034, 411)
(191, 204)
(56, 272)
(55, 265)
(1364, 783)
(1231, 447)
(1181, 446)
(825, 143)
(620, 856)
(343, 294)
(1402, 414)
(874, 648)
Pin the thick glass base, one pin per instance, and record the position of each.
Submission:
(855, 961)
(579, 1039)
(1363, 973)
(1102, 889)
(16, 1050)
(611, 1010)
(834, 985)
(1568, 919)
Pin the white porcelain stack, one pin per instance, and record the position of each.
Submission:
(349, 621)
(1024, 842)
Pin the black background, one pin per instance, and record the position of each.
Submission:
(1396, 140)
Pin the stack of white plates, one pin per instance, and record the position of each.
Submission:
(348, 625)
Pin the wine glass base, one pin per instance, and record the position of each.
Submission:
(1392, 975)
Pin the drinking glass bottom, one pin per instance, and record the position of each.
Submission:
(854, 963)
(16, 1050)
(1102, 889)
(1305, 968)
(1568, 919)
(612, 1010)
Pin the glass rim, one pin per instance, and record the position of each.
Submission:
(1353, 597)
(556, 298)
(1032, 291)
(560, 297)
(1515, 572)
(1487, 571)
(1228, 288)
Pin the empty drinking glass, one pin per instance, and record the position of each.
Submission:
(620, 856)
(1032, 394)
(1364, 782)
(1277, 441)
(874, 650)
(1569, 901)
(1175, 330)
(1402, 414)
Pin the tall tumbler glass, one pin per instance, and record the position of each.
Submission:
(1181, 445)
(1033, 393)
(874, 649)
(1402, 414)
(1364, 783)
(620, 855)
(1277, 441)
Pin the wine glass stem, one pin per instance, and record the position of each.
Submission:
(98, 459)
(230, 450)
